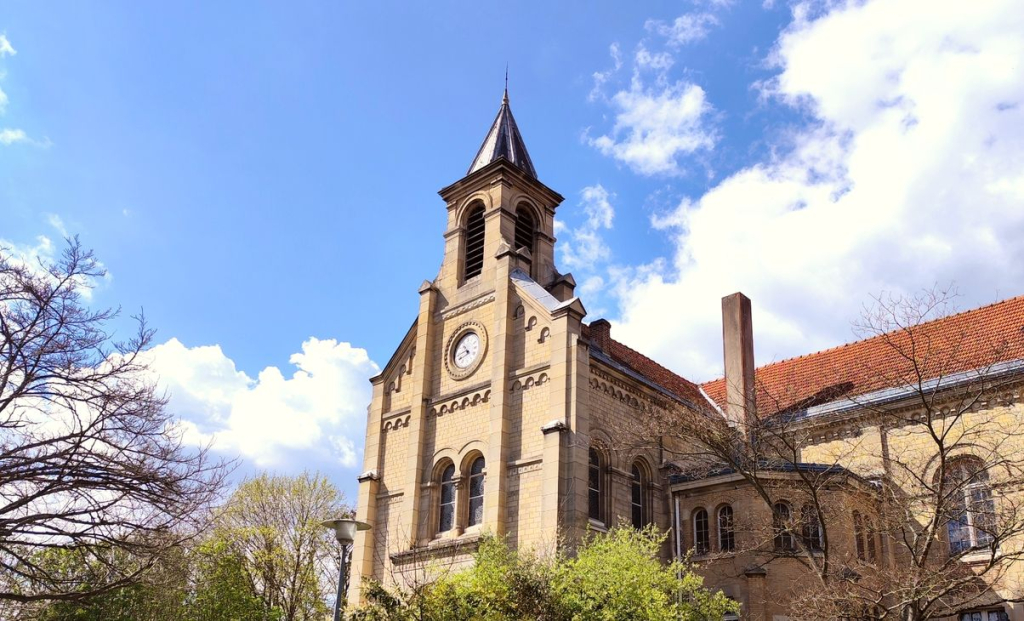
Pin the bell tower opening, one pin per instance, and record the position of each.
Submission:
(474, 242)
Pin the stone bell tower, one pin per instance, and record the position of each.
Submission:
(465, 431)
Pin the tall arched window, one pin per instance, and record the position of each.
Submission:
(859, 535)
(476, 492)
(810, 528)
(638, 496)
(525, 228)
(475, 242)
(594, 484)
(726, 530)
(971, 507)
(447, 518)
(701, 532)
(782, 525)
(870, 536)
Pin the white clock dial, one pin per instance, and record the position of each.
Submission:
(466, 350)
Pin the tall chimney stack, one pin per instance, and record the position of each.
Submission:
(738, 342)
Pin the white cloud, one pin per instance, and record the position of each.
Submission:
(6, 49)
(585, 247)
(686, 28)
(655, 125)
(601, 77)
(10, 136)
(647, 60)
(319, 410)
(908, 175)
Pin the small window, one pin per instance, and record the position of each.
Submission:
(782, 525)
(476, 492)
(475, 242)
(594, 484)
(726, 530)
(810, 528)
(638, 497)
(985, 615)
(447, 518)
(524, 229)
(701, 532)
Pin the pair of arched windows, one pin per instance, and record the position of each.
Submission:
(526, 231)
(702, 530)
(786, 530)
(449, 499)
(639, 487)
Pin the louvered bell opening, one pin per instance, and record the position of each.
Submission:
(475, 243)
(524, 230)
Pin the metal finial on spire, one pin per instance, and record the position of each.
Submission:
(504, 99)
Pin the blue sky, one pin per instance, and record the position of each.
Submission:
(261, 178)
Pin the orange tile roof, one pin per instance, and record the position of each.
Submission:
(651, 370)
(967, 341)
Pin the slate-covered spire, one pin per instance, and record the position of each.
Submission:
(504, 140)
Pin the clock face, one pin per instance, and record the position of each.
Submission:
(466, 350)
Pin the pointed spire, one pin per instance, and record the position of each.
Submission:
(504, 141)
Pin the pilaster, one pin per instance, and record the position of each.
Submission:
(423, 366)
(495, 490)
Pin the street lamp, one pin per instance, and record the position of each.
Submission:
(345, 532)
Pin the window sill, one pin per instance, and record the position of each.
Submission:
(597, 525)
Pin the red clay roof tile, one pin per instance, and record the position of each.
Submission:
(967, 341)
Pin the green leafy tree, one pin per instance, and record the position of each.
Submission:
(221, 589)
(290, 561)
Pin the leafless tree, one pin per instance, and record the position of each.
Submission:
(92, 464)
(920, 434)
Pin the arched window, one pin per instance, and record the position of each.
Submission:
(782, 525)
(869, 537)
(446, 520)
(859, 535)
(971, 508)
(594, 484)
(701, 532)
(810, 528)
(726, 530)
(525, 228)
(475, 242)
(476, 492)
(638, 496)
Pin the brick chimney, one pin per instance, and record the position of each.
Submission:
(738, 342)
(601, 333)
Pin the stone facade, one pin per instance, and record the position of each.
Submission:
(544, 395)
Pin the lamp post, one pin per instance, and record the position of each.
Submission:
(345, 532)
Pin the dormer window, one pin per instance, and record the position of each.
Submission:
(474, 242)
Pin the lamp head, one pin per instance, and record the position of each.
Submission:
(345, 529)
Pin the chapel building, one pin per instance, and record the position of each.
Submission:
(502, 412)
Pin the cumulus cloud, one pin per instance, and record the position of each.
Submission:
(908, 174)
(585, 247)
(318, 409)
(657, 124)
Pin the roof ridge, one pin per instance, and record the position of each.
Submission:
(653, 361)
(877, 336)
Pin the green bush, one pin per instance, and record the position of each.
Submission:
(614, 576)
